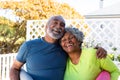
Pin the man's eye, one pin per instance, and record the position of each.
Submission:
(62, 24)
(55, 22)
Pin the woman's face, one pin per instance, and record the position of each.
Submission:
(69, 42)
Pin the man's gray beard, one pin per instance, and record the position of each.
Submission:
(54, 36)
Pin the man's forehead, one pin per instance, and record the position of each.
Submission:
(58, 19)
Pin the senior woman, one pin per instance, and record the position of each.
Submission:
(82, 63)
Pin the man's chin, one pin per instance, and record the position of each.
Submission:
(56, 33)
(54, 37)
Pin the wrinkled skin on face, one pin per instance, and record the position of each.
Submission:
(56, 27)
(69, 43)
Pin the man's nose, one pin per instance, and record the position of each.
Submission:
(58, 26)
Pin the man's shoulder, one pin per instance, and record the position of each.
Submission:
(33, 41)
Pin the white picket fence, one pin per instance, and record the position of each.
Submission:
(98, 31)
(6, 61)
(103, 32)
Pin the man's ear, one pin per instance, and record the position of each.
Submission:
(45, 28)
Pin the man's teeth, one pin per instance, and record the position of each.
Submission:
(57, 30)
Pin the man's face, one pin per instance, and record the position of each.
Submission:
(56, 28)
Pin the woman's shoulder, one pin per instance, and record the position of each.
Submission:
(89, 52)
(91, 49)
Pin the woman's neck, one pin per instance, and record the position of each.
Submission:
(75, 57)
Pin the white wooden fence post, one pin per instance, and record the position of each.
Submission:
(6, 60)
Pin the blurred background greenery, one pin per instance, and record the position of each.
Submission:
(112, 57)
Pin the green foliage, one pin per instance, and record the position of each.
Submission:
(114, 48)
(6, 31)
(4, 21)
(11, 37)
(111, 56)
(118, 57)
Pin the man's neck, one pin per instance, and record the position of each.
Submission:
(49, 39)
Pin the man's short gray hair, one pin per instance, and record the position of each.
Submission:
(59, 17)
(76, 32)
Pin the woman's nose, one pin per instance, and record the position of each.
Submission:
(68, 40)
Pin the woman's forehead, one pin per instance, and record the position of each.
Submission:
(68, 34)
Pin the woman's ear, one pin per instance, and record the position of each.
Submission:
(80, 43)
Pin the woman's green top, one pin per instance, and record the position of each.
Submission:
(90, 66)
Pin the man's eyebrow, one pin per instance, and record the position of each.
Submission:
(56, 19)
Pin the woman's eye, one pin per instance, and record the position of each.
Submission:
(71, 37)
(63, 40)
